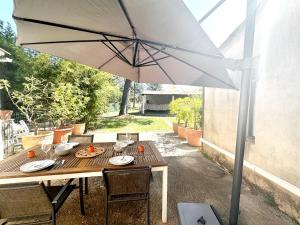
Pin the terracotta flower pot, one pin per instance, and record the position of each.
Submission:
(193, 137)
(30, 140)
(182, 132)
(78, 128)
(58, 133)
(175, 128)
(5, 114)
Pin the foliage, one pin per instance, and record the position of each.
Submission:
(14, 71)
(68, 104)
(33, 100)
(97, 90)
(80, 93)
(181, 108)
(187, 110)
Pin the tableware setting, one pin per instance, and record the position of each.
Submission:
(89, 152)
(121, 160)
(63, 149)
(36, 165)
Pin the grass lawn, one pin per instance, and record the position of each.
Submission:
(131, 123)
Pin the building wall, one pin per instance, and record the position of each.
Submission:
(277, 109)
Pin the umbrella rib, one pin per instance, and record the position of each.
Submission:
(135, 53)
(113, 35)
(127, 17)
(114, 57)
(69, 27)
(158, 64)
(181, 49)
(150, 57)
(71, 41)
(117, 50)
(147, 63)
(193, 66)
(117, 55)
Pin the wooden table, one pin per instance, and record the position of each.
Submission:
(92, 167)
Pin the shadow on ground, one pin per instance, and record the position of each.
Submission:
(192, 178)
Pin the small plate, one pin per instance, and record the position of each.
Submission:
(121, 160)
(36, 165)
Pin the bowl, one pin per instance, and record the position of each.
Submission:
(63, 149)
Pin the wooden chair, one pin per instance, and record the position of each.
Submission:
(127, 185)
(33, 203)
(82, 139)
(122, 136)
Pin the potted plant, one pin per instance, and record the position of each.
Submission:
(33, 103)
(194, 133)
(184, 114)
(174, 109)
(68, 107)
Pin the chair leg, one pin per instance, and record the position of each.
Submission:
(148, 210)
(81, 196)
(106, 213)
(53, 217)
(86, 183)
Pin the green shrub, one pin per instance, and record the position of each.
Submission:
(187, 111)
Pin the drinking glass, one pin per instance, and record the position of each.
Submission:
(46, 147)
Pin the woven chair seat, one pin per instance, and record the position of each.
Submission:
(36, 219)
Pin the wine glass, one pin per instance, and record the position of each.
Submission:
(45, 147)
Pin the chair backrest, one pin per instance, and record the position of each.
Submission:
(127, 182)
(22, 200)
(24, 125)
(81, 138)
(134, 136)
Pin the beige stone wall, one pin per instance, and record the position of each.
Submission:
(277, 110)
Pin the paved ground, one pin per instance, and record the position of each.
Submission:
(192, 178)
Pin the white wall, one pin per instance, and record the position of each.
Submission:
(277, 120)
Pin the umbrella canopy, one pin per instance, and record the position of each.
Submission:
(157, 41)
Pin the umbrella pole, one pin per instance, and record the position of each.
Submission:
(243, 113)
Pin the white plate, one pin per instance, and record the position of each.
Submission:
(74, 144)
(121, 160)
(36, 165)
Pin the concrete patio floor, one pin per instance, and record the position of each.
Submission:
(192, 178)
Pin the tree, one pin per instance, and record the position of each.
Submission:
(13, 72)
(68, 104)
(98, 87)
(124, 100)
(33, 101)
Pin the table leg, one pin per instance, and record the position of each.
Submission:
(164, 194)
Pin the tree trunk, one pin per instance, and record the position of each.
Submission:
(123, 104)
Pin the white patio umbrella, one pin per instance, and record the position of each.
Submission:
(157, 41)
(154, 41)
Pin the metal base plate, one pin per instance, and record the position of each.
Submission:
(197, 214)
